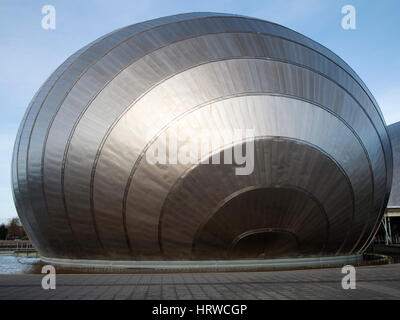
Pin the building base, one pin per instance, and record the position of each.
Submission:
(208, 265)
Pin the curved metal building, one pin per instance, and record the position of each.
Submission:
(394, 134)
(322, 156)
(390, 231)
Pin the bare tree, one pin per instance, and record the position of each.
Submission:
(3, 232)
(15, 230)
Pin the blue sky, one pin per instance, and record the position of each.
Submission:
(28, 53)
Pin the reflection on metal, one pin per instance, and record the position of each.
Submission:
(322, 156)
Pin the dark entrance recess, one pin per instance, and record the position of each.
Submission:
(263, 223)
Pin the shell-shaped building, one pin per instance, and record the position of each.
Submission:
(394, 135)
(322, 159)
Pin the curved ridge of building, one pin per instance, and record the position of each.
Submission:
(322, 166)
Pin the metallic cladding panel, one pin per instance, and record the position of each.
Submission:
(334, 217)
(81, 185)
(273, 113)
(54, 89)
(119, 138)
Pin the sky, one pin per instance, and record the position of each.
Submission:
(29, 53)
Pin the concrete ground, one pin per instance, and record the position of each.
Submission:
(372, 282)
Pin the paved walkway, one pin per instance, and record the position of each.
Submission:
(373, 282)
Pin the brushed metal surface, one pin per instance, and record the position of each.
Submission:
(83, 188)
(273, 113)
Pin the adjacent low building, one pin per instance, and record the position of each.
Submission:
(390, 230)
(321, 156)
